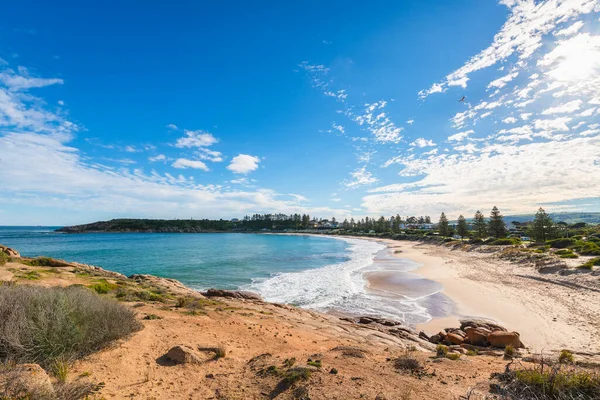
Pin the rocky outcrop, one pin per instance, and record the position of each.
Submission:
(170, 285)
(9, 252)
(477, 334)
(235, 294)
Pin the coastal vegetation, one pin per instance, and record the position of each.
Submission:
(50, 325)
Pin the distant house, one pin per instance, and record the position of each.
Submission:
(313, 224)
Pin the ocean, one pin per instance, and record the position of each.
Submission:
(320, 273)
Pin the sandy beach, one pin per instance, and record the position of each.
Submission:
(550, 311)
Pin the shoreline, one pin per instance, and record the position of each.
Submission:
(480, 286)
(550, 311)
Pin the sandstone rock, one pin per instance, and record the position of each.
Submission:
(236, 294)
(476, 336)
(170, 285)
(424, 336)
(183, 355)
(453, 338)
(480, 323)
(9, 252)
(502, 339)
(435, 339)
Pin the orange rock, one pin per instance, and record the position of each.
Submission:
(453, 338)
(502, 339)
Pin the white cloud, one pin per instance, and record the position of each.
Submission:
(509, 120)
(557, 124)
(183, 163)
(460, 136)
(522, 34)
(172, 127)
(503, 81)
(196, 139)
(209, 155)
(379, 123)
(360, 177)
(159, 157)
(22, 81)
(410, 121)
(571, 30)
(60, 103)
(243, 164)
(564, 108)
(422, 142)
(517, 179)
(131, 149)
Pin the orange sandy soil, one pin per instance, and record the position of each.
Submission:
(136, 368)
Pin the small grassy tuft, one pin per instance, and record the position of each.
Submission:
(316, 363)
(441, 350)
(509, 351)
(453, 356)
(566, 357)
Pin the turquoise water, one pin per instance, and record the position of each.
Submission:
(223, 260)
(321, 273)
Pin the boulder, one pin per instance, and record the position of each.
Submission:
(476, 336)
(9, 252)
(480, 323)
(236, 294)
(453, 338)
(183, 355)
(502, 339)
(424, 336)
(435, 339)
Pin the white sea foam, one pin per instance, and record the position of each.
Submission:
(340, 288)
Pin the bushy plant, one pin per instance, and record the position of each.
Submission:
(505, 242)
(441, 350)
(43, 325)
(453, 356)
(561, 243)
(4, 258)
(565, 357)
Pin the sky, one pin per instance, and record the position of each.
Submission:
(186, 109)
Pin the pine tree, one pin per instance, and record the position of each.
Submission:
(427, 219)
(496, 225)
(443, 227)
(462, 229)
(543, 227)
(480, 225)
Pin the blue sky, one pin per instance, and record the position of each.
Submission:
(181, 109)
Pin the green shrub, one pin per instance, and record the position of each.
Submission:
(505, 242)
(316, 363)
(43, 325)
(408, 363)
(296, 374)
(29, 275)
(554, 383)
(587, 248)
(453, 356)
(565, 357)
(509, 351)
(441, 350)
(590, 264)
(563, 251)
(4, 258)
(569, 255)
(561, 243)
(472, 352)
(103, 287)
(43, 262)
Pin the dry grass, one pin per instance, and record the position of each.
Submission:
(44, 325)
(548, 383)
